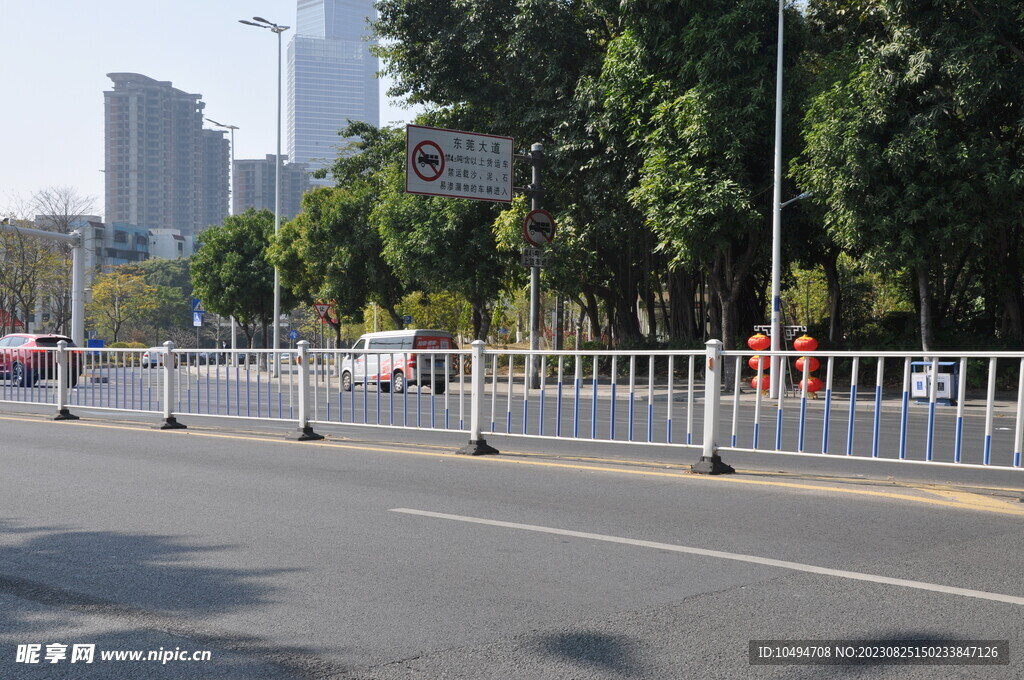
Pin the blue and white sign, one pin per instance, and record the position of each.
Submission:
(293, 334)
(407, 319)
(197, 306)
(197, 318)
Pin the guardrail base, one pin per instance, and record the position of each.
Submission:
(171, 424)
(65, 414)
(304, 434)
(711, 465)
(477, 447)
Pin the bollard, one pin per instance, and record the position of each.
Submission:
(63, 377)
(305, 432)
(477, 446)
(170, 422)
(710, 462)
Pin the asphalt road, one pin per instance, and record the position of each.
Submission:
(367, 557)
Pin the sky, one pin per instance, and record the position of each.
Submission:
(56, 54)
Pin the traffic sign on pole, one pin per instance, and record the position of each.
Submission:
(538, 227)
(321, 310)
(458, 164)
(197, 318)
(197, 305)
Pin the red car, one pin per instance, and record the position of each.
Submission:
(26, 358)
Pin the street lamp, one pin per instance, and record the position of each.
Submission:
(776, 334)
(231, 128)
(260, 22)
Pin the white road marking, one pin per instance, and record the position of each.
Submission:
(736, 557)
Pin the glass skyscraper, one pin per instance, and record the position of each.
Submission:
(331, 77)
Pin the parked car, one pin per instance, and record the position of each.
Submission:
(154, 357)
(27, 358)
(387, 359)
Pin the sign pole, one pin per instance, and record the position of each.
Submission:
(536, 203)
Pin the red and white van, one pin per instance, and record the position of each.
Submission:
(389, 360)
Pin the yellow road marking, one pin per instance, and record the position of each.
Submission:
(950, 498)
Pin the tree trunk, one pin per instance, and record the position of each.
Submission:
(835, 302)
(925, 298)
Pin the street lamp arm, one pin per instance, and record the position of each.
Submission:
(806, 194)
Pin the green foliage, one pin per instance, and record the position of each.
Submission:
(231, 274)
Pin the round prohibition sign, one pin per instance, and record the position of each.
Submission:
(428, 161)
(538, 227)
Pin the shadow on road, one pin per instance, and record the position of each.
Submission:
(613, 654)
(124, 591)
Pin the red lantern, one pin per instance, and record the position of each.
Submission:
(759, 342)
(766, 382)
(753, 362)
(812, 364)
(813, 384)
(805, 343)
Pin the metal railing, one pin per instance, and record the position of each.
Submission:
(860, 405)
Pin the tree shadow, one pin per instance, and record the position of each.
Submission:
(616, 655)
(130, 591)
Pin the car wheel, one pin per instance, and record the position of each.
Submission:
(346, 381)
(384, 386)
(21, 376)
(398, 382)
(439, 388)
(72, 379)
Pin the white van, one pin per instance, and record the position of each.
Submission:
(387, 359)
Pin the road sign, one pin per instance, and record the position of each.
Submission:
(538, 227)
(406, 319)
(533, 257)
(197, 318)
(321, 310)
(197, 305)
(458, 164)
(293, 334)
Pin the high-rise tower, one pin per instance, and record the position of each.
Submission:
(162, 170)
(331, 77)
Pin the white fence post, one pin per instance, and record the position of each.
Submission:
(170, 364)
(477, 446)
(63, 378)
(305, 432)
(710, 463)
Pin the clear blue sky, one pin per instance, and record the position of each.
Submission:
(56, 54)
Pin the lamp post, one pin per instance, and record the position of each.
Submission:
(776, 334)
(260, 22)
(231, 203)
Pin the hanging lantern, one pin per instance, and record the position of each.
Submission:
(805, 343)
(759, 342)
(765, 383)
(812, 364)
(813, 384)
(754, 361)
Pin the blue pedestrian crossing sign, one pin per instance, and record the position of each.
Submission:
(293, 334)
(197, 305)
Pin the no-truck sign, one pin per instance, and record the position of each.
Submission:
(458, 164)
(538, 227)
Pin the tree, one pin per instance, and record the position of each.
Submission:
(30, 266)
(61, 209)
(119, 298)
(172, 280)
(231, 274)
(331, 251)
(915, 147)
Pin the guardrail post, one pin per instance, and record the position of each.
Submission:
(477, 446)
(710, 463)
(170, 364)
(305, 432)
(62, 383)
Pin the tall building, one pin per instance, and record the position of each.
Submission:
(157, 156)
(254, 185)
(215, 164)
(331, 77)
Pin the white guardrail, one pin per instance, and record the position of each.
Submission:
(682, 399)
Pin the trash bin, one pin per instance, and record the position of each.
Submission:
(947, 382)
